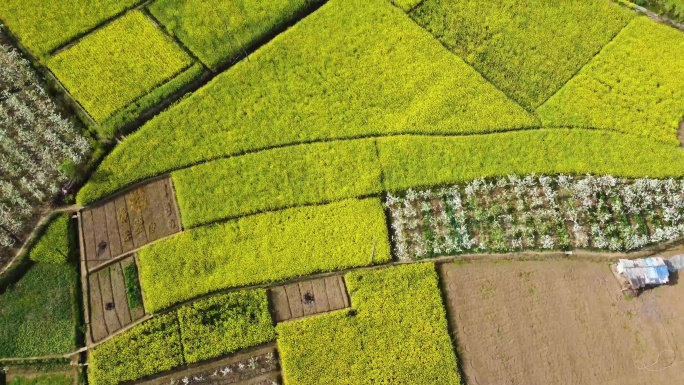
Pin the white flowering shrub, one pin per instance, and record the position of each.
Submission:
(537, 212)
(35, 141)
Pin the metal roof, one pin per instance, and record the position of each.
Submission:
(644, 272)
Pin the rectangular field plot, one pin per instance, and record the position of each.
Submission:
(118, 64)
(395, 334)
(561, 322)
(218, 30)
(255, 367)
(45, 25)
(126, 222)
(115, 299)
(263, 248)
(308, 298)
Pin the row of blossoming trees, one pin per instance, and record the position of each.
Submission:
(36, 144)
(537, 213)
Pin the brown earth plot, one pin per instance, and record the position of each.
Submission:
(562, 322)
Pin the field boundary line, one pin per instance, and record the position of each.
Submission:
(663, 19)
(170, 171)
(48, 357)
(530, 110)
(77, 38)
(160, 26)
(32, 236)
(574, 255)
(596, 54)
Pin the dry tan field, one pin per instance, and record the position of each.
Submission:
(562, 322)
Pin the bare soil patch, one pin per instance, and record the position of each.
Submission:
(123, 223)
(109, 307)
(561, 322)
(308, 298)
(680, 133)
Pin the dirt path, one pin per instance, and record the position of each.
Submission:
(31, 238)
(680, 133)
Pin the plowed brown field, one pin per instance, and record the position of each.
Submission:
(562, 322)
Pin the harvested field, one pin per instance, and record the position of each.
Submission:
(109, 306)
(132, 220)
(308, 298)
(561, 322)
(254, 367)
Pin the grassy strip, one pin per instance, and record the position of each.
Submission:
(114, 66)
(204, 329)
(132, 286)
(217, 30)
(37, 313)
(528, 48)
(263, 248)
(414, 161)
(47, 379)
(673, 9)
(354, 68)
(55, 245)
(275, 179)
(45, 25)
(635, 85)
(149, 348)
(225, 323)
(131, 112)
(397, 334)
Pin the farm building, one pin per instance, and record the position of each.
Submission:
(644, 272)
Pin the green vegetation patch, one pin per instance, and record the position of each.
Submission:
(411, 161)
(38, 314)
(45, 25)
(674, 9)
(48, 379)
(397, 334)
(217, 30)
(527, 48)
(225, 323)
(354, 68)
(275, 179)
(263, 248)
(133, 293)
(55, 245)
(635, 85)
(112, 67)
(146, 349)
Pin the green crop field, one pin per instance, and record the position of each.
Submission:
(528, 48)
(146, 349)
(225, 323)
(217, 31)
(241, 252)
(38, 314)
(48, 379)
(635, 85)
(45, 25)
(397, 334)
(111, 68)
(432, 160)
(378, 74)
(195, 332)
(275, 179)
(55, 246)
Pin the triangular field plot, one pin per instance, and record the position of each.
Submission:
(635, 85)
(527, 48)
